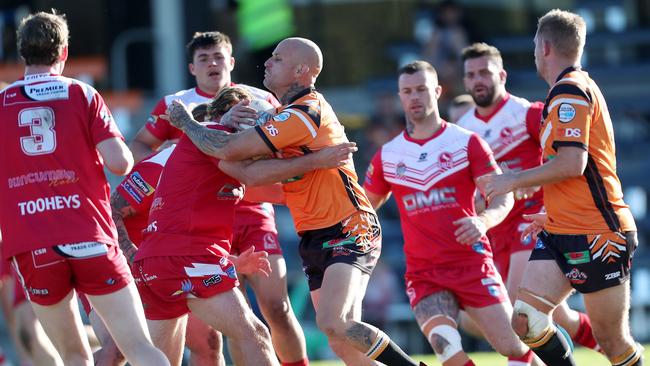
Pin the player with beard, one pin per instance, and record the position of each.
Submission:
(511, 126)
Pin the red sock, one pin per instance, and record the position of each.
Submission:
(469, 363)
(584, 335)
(303, 362)
(525, 359)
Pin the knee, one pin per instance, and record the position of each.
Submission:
(520, 325)
(332, 326)
(278, 310)
(528, 322)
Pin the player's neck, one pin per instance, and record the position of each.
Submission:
(556, 68)
(286, 96)
(55, 69)
(423, 129)
(496, 104)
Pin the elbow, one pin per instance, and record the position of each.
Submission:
(120, 166)
(575, 170)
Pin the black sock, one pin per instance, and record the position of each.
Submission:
(556, 351)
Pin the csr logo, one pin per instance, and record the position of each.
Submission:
(571, 132)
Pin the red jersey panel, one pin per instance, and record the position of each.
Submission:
(163, 130)
(54, 190)
(193, 208)
(138, 189)
(433, 183)
(512, 131)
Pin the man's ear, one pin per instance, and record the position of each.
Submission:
(546, 47)
(64, 54)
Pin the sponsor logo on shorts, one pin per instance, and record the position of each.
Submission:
(339, 242)
(577, 257)
(478, 248)
(231, 272)
(494, 290)
(229, 191)
(488, 281)
(212, 281)
(613, 275)
(110, 281)
(186, 287)
(269, 241)
(539, 244)
(152, 227)
(576, 276)
(341, 252)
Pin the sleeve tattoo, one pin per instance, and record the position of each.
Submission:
(121, 209)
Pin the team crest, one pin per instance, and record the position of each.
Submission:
(446, 160)
(400, 170)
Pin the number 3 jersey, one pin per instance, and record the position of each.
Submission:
(53, 189)
(433, 183)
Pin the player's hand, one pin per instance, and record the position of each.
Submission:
(250, 262)
(537, 224)
(335, 156)
(129, 252)
(492, 185)
(177, 114)
(470, 230)
(239, 116)
(525, 193)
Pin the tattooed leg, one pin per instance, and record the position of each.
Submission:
(436, 315)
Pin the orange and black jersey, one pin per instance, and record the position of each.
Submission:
(575, 114)
(320, 198)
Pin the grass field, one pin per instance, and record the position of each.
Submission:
(584, 357)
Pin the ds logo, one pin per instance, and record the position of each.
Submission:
(572, 132)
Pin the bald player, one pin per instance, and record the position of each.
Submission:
(341, 236)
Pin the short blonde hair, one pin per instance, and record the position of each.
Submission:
(565, 31)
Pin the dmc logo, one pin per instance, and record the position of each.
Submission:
(445, 160)
(433, 197)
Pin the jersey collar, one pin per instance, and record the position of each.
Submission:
(443, 126)
(566, 71)
(202, 93)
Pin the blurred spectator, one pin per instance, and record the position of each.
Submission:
(458, 107)
(385, 122)
(383, 290)
(449, 35)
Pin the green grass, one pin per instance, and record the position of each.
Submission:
(583, 356)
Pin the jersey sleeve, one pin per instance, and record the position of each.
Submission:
(139, 186)
(569, 110)
(480, 156)
(161, 128)
(375, 181)
(296, 125)
(102, 125)
(534, 120)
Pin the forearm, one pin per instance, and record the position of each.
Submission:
(269, 171)
(550, 172)
(140, 150)
(126, 245)
(497, 210)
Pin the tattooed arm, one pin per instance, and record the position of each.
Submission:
(219, 144)
(121, 209)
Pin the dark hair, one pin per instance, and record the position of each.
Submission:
(416, 66)
(228, 97)
(41, 38)
(461, 100)
(481, 49)
(202, 40)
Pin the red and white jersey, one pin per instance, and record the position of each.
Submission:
(53, 187)
(512, 131)
(193, 209)
(138, 189)
(163, 130)
(433, 183)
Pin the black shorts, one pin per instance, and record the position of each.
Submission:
(590, 262)
(355, 241)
